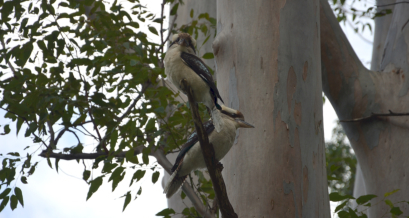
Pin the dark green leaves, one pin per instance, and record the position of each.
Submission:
(13, 202)
(365, 198)
(174, 9)
(335, 196)
(95, 184)
(208, 55)
(127, 200)
(4, 203)
(153, 30)
(19, 195)
(166, 213)
(138, 175)
(155, 177)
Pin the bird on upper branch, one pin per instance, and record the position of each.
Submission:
(191, 158)
(181, 63)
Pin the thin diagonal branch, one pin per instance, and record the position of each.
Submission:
(375, 115)
(190, 193)
(86, 156)
(403, 2)
(213, 166)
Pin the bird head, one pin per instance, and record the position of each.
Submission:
(237, 116)
(185, 41)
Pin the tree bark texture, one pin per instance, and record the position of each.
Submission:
(268, 67)
(381, 143)
(183, 18)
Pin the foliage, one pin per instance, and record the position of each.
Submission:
(341, 163)
(363, 203)
(86, 69)
(357, 13)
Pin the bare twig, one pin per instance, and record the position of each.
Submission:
(86, 156)
(405, 2)
(374, 115)
(213, 166)
(51, 130)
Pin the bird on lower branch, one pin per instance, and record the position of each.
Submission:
(181, 63)
(191, 158)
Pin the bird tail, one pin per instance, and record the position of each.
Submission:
(217, 119)
(174, 184)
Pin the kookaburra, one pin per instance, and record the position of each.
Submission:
(191, 158)
(181, 63)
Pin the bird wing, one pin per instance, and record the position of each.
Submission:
(200, 68)
(193, 138)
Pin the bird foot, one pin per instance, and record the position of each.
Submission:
(219, 166)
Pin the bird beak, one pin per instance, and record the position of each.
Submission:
(244, 124)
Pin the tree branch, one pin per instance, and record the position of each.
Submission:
(213, 166)
(374, 115)
(86, 156)
(190, 193)
(385, 5)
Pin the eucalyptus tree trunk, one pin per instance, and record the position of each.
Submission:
(380, 143)
(183, 18)
(268, 67)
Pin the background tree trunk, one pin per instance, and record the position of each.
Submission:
(268, 67)
(381, 144)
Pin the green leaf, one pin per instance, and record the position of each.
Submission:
(4, 203)
(335, 196)
(95, 184)
(117, 177)
(24, 180)
(391, 193)
(138, 175)
(364, 198)
(13, 202)
(86, 174)
(396, 211)
(6, 129)
(166, 212)
(389, 203)
(153, 30)
(174, 9)
(191, 13)
(155, 177)
(49, 163)
(339, 207)
(114, 138)
(129, 156)
(208, 55)
(352, 213)
(19, 195)
(5, 193)
(127, 200)
(150, 126)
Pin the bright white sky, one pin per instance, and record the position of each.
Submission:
(63, 195)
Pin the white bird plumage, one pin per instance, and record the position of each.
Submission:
(191, 157)
(181, 63)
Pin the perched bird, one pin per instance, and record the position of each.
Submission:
(191, 158)
(181, 63)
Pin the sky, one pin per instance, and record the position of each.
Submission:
(63, 194)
